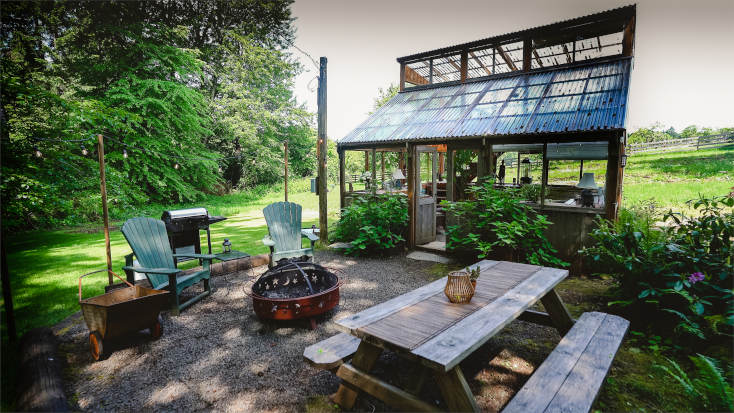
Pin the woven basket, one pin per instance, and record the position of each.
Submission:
(458, 287)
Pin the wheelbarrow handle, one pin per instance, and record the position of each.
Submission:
(94, 272)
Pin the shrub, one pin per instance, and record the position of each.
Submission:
(496, 219)
(373, 224)
(685, 270)
(710, 391)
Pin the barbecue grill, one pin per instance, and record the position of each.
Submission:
(295, 290)
(183, 228)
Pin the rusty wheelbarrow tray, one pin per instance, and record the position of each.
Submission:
(120, 312)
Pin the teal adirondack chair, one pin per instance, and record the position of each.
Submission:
(148, 239)
(284, 227)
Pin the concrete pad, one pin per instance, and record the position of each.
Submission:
(424, 256)
(341, 245)
(435, 245)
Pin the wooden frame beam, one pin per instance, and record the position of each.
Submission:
(435, 71)
(506, 58)
(411, 76)
(476, 59)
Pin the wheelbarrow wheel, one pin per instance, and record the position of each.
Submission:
(156, 330)
(96, 345)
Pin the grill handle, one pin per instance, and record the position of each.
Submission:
(94, 272)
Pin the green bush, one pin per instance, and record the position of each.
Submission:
(373, 224)
(496, 219)
(684, 270)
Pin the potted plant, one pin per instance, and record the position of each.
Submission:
(473, 275)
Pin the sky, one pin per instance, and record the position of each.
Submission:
(683, 67)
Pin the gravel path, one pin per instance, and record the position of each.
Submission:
(219, 356)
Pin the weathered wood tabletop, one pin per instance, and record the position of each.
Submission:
(425, 327)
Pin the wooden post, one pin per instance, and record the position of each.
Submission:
(374, 164)
(7, 295)
(450, 175)
(518, 168)
(527, 54)
(383, 167)
(322, 144)
(490, 160)
(464, 65)
(366, 161)
(286, 171)
(544, 176)
(614, 167)
(412, 196)
(440, 163)
(342, 172)
(402, 76)
(105, 214)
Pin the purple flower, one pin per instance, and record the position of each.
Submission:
(695, 277)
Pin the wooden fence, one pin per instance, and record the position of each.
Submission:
(679, 145)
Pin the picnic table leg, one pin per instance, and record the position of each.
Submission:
(364, 359)
(417, 375)
(558, 312)
(456, 391)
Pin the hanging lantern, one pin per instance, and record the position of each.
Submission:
(226, 246)
(37, 151)
(220, 168)
(124, 153)
(253, 161)
(526, 165)
(624, 161)
(176, 166)
(84, 150)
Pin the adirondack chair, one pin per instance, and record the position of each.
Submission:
(148, 239)
(284, 227)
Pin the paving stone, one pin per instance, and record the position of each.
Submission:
(425, 256)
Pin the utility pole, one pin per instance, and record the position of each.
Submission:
(286, 171)
(105, 215)
(321, 153)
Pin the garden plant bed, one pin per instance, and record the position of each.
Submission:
(218, 355)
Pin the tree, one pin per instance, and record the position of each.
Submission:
(384, 96)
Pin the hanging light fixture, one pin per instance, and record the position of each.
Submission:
(253, 161)
(124, 153)
(220, 168)
(37, 151)
(84, 150)
(176, 166)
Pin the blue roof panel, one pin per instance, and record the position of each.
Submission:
(577, 99)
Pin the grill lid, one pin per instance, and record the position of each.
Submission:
(190, 213)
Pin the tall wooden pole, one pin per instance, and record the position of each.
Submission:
(286, 171)
(322, 152)
(105, 215)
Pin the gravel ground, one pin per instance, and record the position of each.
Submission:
(219, 356)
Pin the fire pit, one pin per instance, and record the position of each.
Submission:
(296, 290)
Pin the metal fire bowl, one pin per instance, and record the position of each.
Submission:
(288, 279)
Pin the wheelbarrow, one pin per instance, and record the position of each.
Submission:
(120, 312)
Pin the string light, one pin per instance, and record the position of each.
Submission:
(124, 153)
(84, 150)
(38, 151)
(176, 166)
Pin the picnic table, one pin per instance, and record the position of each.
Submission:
(423, 326)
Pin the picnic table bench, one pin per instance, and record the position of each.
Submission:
(424, 327)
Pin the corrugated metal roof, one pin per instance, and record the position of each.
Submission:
(632, 8)
(576, 99)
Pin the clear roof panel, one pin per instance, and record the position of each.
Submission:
(584, 98)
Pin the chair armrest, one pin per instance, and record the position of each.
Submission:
(268, 241)
(202, 256)
(310, 235)
(153, 270)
